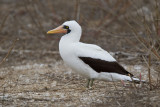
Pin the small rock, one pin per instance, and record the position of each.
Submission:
(53, 84)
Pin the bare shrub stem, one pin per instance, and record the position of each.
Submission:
(12, 46)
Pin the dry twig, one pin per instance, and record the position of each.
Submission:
(12, 46)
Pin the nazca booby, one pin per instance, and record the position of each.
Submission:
(89, 60)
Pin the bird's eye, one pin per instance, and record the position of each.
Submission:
(66, 27)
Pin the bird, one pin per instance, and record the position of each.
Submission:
(89, 60)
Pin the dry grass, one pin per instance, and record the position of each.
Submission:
(149, 37)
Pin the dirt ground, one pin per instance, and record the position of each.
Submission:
(34, 75)
(57, 85)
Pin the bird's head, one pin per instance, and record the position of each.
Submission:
(67, 28)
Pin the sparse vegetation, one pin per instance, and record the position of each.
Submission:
(31, 70)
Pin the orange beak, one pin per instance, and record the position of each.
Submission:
(59, 29)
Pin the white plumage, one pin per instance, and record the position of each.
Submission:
(81, 57)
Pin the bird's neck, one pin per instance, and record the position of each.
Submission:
(72, 37)
(65, 44)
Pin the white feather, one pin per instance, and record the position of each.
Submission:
(92, 51)
(71, 49)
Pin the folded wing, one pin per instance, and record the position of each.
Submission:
(99, 59)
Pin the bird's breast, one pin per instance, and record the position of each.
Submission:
(66, 49)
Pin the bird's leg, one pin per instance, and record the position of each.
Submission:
(91, 84)
(88, 82)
